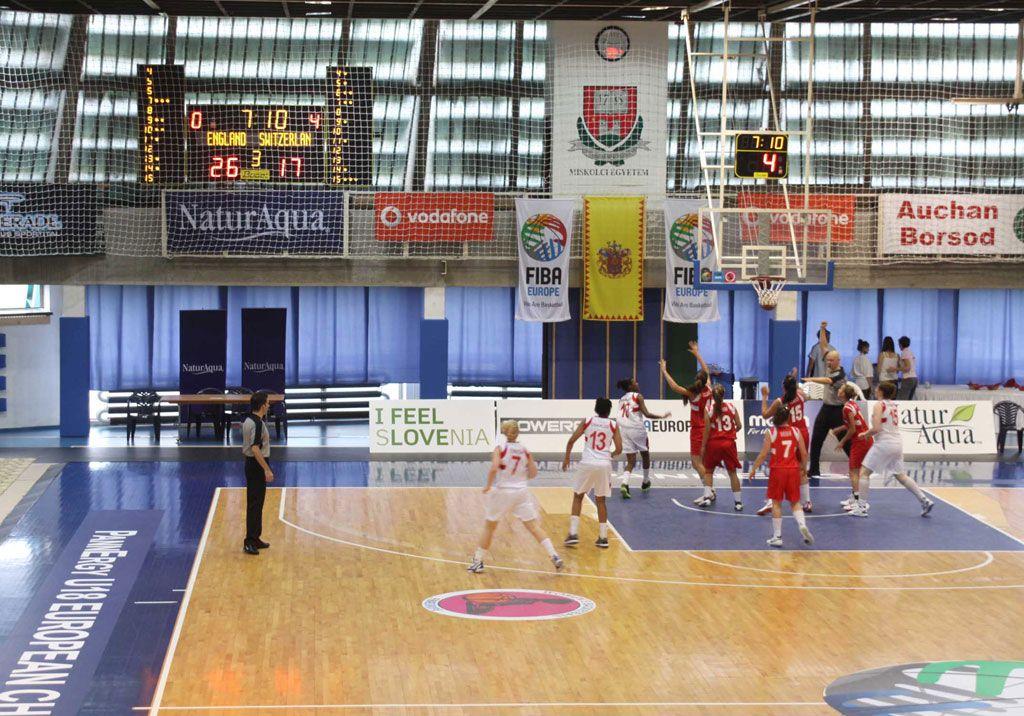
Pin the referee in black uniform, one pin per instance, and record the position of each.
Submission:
(256, 448)
(831, 414)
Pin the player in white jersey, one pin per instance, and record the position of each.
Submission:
(512, 466)
(601, 442)
(886, 454)
(632, 411)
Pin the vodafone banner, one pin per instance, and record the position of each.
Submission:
(685, 240)
(950, 224)
(842, 207)
(544, 228)
(426, 216)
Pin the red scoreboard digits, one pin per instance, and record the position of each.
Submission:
(761, 156)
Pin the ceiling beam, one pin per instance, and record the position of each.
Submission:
(483, 9)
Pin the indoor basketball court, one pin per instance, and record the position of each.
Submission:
(594, 357)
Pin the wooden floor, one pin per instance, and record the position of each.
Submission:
(330, 618)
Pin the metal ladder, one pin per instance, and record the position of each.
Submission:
(716, 174)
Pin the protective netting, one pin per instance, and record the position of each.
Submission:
(469, 109)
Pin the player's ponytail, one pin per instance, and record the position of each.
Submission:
(789, 386)
(718, 394)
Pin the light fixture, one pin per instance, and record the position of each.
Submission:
(318, 2)
(634, 17)
(312, 14)
(655, 8)
(943, 19)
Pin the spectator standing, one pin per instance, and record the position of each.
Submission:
(908, 366)
(862, 371)
(888, 361)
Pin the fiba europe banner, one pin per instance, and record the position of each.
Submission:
(613, 258)
(246, 223)
(426, 216)
(545, 241)
(609, 120)
(686, 240)
(432, 426)
(545, 425)
(950, 225)
(263, 348)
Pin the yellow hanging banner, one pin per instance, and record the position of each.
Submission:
(613, 258)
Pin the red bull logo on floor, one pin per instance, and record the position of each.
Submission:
(508, 604)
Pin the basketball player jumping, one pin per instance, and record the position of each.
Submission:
(698, 396)
(512, 466)
(601, 442)
(632, 411)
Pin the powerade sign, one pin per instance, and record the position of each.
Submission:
(48, 220)
(248, 223)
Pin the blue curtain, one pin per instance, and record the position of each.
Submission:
(485, 342)
(393, 335)
(852, 314)
(716, 337)
(119, 315)
(167, 302)
(928, 319)
(989, 342)
(331, 332)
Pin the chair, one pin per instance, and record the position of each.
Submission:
(278, 411)
(236, 411)
(214, 414)
(1007, 412)
(143, 405)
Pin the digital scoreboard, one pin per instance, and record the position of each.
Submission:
(277, 143)
(328, 143)
(761, 155)
(161, 104)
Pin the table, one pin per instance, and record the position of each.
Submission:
(223, 399)
(963, 392)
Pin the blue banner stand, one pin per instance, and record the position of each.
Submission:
(433, 359)
(74, 377)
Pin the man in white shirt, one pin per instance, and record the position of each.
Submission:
(816, 364)
(908, 365)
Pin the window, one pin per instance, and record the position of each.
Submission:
(23, 298)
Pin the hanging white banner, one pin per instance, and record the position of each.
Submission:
(544, 238)
(608, 133)
(684, 237)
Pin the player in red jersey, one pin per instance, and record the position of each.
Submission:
(792, 398)
(855, 425)
(788, 460)
(719, 441)
(698, 396)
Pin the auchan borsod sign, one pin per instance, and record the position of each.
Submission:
(951, 224)
(436, 216)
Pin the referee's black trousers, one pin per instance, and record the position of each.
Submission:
(255, 495)
(829, 417)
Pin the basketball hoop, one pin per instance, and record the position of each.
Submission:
(768, 289)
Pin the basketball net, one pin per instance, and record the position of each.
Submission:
(768, 289)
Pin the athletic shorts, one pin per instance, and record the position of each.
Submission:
(784, 484)
(696, 441)
(722, 453)
(634, 440)
(593, 477)
(858, 449)
(515, 500)
(885, 458)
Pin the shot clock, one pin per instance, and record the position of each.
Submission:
(761, 156)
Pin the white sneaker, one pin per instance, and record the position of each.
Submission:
(926, 507)
(774, 541)
(808, 537)
(476, 567)
(705, 500)
(848, 502)
(557, 561)
(765, 509)
(858, 510)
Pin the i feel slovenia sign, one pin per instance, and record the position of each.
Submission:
(432, 426)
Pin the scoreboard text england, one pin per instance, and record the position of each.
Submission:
(328, 143)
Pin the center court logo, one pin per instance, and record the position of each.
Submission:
(508, 604)
(544, 237)
(991, 687)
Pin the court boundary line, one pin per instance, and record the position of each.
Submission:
(989, 559)
(510, 704)
(957, 507)
(640, 580)
(165, 670)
